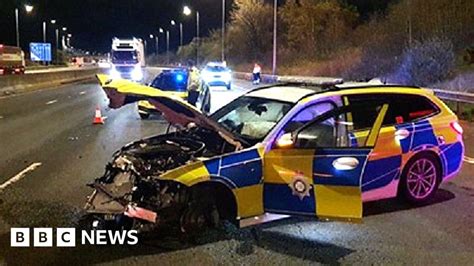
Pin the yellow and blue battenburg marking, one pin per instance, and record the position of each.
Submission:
(306, 181)
(241, 172)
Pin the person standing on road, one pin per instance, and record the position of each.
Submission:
(193, 85)
(256, 73)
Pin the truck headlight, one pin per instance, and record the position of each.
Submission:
(137, 73)
(114, 74)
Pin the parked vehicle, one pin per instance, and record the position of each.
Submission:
(174, 81)
(12, 60)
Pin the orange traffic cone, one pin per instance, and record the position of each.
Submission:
(98, 119)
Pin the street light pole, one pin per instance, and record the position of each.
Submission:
(168, 46)
(57, 45)
(17, 28)
(44, 31)
(63, 44)
(197, 38)
(157, 44)
(187, 11)
(180, 34)
(223, 32)
(275, 7)
(28, 9)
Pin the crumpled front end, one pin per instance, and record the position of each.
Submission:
(131, 186)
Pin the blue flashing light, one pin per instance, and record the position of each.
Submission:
(179, 78)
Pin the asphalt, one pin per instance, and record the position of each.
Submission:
(54, 127)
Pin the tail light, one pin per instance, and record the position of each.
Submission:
(456, 127)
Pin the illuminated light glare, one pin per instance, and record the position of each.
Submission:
(179, 77)
(227, 77)
(285, 141)
(114, 74)
(137, 74)
(345, 163)
(173, 22)
(187, 10)
(29, 8)
(457, 128)
(402, 134)
(53, 21)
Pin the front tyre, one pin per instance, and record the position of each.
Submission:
(199, 216)
(229, 86)
(420, 178)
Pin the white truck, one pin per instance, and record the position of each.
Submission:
(128, 59)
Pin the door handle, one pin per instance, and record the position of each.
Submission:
(345, 163)
(402, 134)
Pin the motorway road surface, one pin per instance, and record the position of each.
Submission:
(50, 134)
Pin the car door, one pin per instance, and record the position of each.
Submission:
(397, 135)
(315, 170)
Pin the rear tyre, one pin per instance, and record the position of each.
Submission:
(144, 115)
(229, 86)
(420, 179)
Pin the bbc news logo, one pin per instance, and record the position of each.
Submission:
(66, 237)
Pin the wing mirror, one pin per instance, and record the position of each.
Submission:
(285, 141)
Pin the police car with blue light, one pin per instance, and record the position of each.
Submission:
(173, 81)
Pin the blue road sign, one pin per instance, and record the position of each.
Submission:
(40, 51)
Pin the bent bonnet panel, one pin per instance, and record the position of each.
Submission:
(174, 109)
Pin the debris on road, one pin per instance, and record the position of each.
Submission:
(51, 102)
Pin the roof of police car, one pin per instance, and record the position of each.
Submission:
(293, 92)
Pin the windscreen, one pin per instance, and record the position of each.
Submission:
(216, 69)
(124, 56)
(251, 118)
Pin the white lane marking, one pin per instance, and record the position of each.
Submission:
(469, 160)
(82, 92)
(20, 175)
(51, 102)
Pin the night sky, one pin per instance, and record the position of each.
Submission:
(94, 23)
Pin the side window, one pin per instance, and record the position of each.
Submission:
(307, 114)
(404, 108)
(337, 129)
(407, 108)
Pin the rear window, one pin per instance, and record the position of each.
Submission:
(403, 108)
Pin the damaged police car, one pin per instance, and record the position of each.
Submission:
(310, 150)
